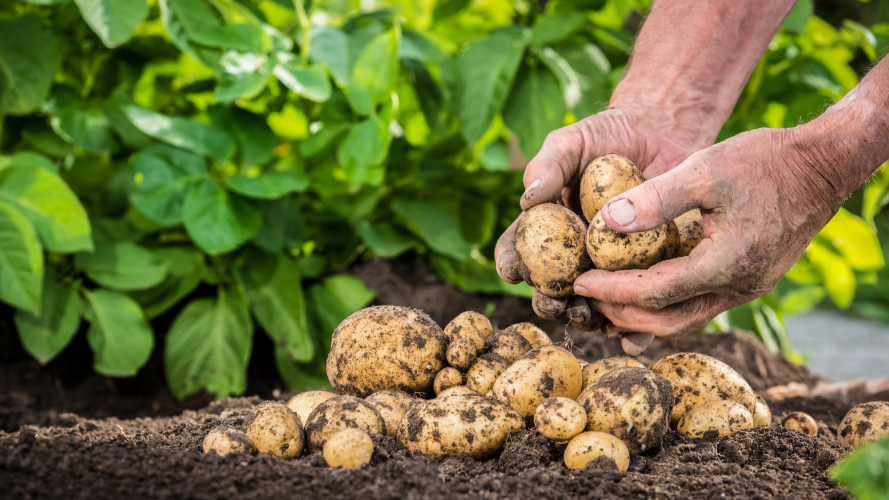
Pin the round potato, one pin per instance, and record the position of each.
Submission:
(469, 426)
(588, 446)
(457, 390)
(604, 178)
(385, 347)
(447, 378)
(549, 239)
(560, 419)
(596, 369)
(715, 419)
(340, 413)
(613, 251)
(631, 403)
(545, 372)
(461, 353)
(225, 440)
(275, 429)
(800, 422)
(864, 423)
(392, 405)
(510, 345)
(691, 231)
(472, 326)
(305, 402)
(532, 334)
(699, 379)
(349, 449)
(762, 415)
(484, 372)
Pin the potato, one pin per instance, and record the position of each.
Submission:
(349, 449)
(549, 239)
(510, 345)
(305, 402)
(469, 426)
(613, 251)
(392, 405)
(596, 369)
(484, 372)
(472, 326)
(588, 446)
(604, 178)
(447, 378)
(801, 422)
(532, 334)
(457, 390)
(699, 379)
(545, 372)
(631, 403)
(691, 231)
(275, 429)
(715, 419)
(461, 353)
(583, 364)
(560, 419)
(864, 423)
(762, 415)
(385, 347)
(339, 413)
(225, 440)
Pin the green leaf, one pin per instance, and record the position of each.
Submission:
(45, 335)
(330, 46)
(837, 275)
(854, 239)
(552, 28)
(122, 266)
(161, 177)
(584, 74)
(322, 139)
(256, 141)
(801, 300)
(476, 275)
(447, 8)
(434, 226)
(876, 194)
(269, 185)
(534, 109)
(185, 267)
(351, 291)
(865, 473)
(478, 218)
(21, 260)
(487, 68)
(219, 221)
(209, 345)
(243, 37)
(300, 376)
(385, 239)
(183, 19)
(28, 160)
(27, 64)
(799, 16)
(283, 228)
(85, 127)
(119, 334)
(374, 73)
(244, 75)
(114, 21)
(364, 146)
(310, 82)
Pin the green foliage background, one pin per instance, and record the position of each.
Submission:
(155, 149)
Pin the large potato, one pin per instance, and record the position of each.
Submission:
(468, 426)
(304, 403)
(339, 413)
(613, 251)
(349, 449)
(715, 419)
(225, 440)
(762, 415)
(470, 325)
(560, 419)
(509, 344)
(604, 178)
(590, 445)
(392, 405)
(457, 390)
(631, 403)
(549, 239)
(532, 334)
(596, 369)
(385, 347)
(484, 372)
(275, 429)
(699, 379)
(691, 231)
(864, 423)
(800, 422)
(545, 372)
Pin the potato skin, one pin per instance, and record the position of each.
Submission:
(469, 426)
(588, 446)
(461, 353)
(275, 429)
(392, 406)
(349, 449)
(715, 419)
(457, 390)
(699, 379)
(596, 369)
(447, 378)
(550, 239)
(691, 231)
(560, 419)
(305, 402)
(630, 403)
(613, 251)
(762, 415)
(485, 371)
(604, 178)
(801, 422)
(339, 413)
(532, 334)
(508, 344)
(225, 440)
(864, 423)
(545, 372)
(470, 325)
(385, 347)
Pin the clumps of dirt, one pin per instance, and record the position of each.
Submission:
(527, 449)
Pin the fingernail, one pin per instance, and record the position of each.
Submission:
(623, 212)
(533, 185)
(581, 290)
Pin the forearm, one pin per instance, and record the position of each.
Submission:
(693, 59)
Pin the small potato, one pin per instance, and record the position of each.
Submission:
(275, 429)
(461, 353)
(715, 419)
(470, 325)
(349, 449)
(225, 440)
(691, 231)
(510, 345)
(699, 379)
(549, 239)
(596, 369)
(545, 372)
(613, 251)
(532, 334)
(604, 178)
(588, 446)
(560, 419)
(457, 390)
(865, 423)
(340, 413)
(484, 372)
(392, 405)
(801, 422)
(447, 378)
(305, 402)
(762, 415)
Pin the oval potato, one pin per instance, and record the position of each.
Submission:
(762, 415)
(510, 345)
(604, 178)
(225, 440)
(340, 413)
(691, 231)
(532, 334)
(349, 449)
(613, 251)
(864, 423)
(392, 406)
(801, 422)
(472, 326)
(588, 446)
(461, 353)
(447, 378)
(715, 419)
(596, 369)
(304, 403)
(545, 372)
(560, 419)
(550, 240)
(275, 429)
(484, 372)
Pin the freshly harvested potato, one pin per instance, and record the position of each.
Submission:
(469, 426)
(385, 347)
(510, 345)
(864, 423)
(447, 378)
(545, 372)
(305, 402)
(691, 231)
(275, 429)
(349, 449)
(596, 369)
(470, 325)
(699, 379)
(801, 422)
(588, 446)
(457, 390)
(225, 440)
(461, 353)
(560, 419)
(715, 419)
(604, 178)
(339, 413)
(392, 405)
(631, 403)
(613, 251)
(484, 372)
(532, 334)
(549, 239)
(762, 415)
(583, 364)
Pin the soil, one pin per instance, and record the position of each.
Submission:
(66, 432)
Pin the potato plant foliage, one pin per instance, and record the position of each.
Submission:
(218, 163)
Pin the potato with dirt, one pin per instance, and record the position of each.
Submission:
(560, 419)
(596, 369)
(800, 422)
(447, 378)
(762, 414)
(392, 405)
(545, 372)
(461, 353)
(468, 426)
(864, 423)
(614, 251)
(275, 429)
(715, 419)
(484, 372)
(385, 347)
(349, 449)
(472, 326)
(592, 445)
(510, 345)
(457, 390)
(532, 334)
(305, 402)
(604, 178)
(340, 413)
(691, 231)
(225, 440)
(550, 241)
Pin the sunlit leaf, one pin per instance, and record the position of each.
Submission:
(21, 261)
(219, 221)
(114, 21)
(119, 334)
